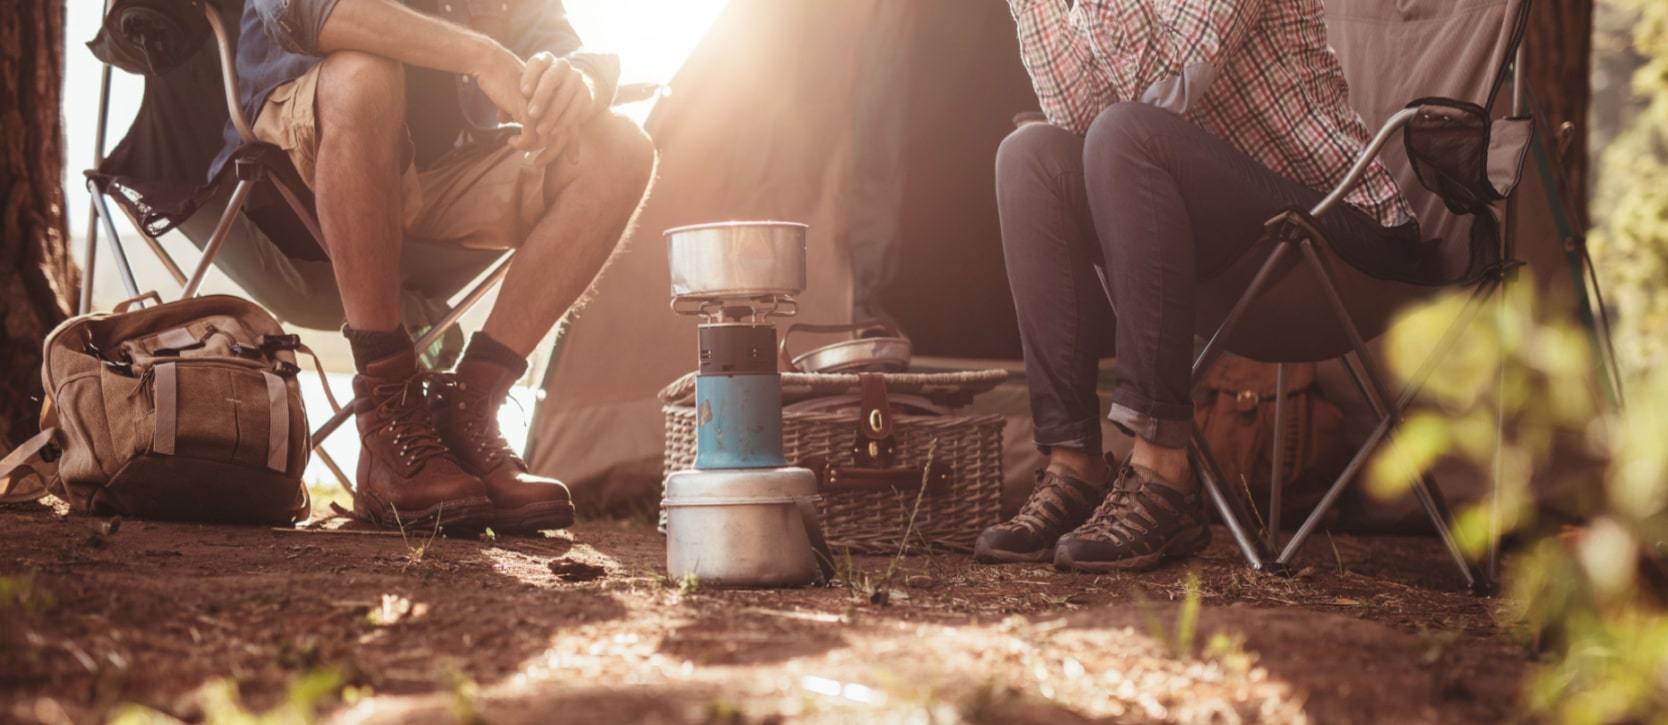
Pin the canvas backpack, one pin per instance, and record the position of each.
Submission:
(188, 410)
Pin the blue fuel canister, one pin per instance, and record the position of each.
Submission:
(738, 398)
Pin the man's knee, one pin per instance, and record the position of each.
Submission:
(1035, 153)
(625, 146)
(614, 151)
(361, 92)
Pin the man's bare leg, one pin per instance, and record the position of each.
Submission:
(361, 121)
(406, 476)
(592, 204)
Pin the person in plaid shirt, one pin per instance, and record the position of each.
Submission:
(1175, 129)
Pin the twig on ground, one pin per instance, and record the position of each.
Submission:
(1336, 556)
(883, 592)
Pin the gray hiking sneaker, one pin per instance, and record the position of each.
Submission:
(1058, 504)
(1142, 523)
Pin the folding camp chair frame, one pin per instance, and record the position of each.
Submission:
(1298, 236)
(248, 174)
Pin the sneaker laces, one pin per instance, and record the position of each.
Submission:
(1118, 502)
(1126, 516)
(1035, 515)
(400, 403)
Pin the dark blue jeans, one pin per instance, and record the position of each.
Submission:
(1161, 204)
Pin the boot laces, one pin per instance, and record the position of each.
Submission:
(479, 417)
(400, 403)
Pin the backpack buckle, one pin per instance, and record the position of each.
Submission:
(270, 343)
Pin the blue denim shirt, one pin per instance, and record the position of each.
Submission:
(278, 42)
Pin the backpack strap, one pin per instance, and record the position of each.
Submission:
(15, 470)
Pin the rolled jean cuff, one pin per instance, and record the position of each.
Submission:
(1084, 435)
(1159, 425)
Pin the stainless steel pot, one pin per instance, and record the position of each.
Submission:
(742, 527)
(737, 260)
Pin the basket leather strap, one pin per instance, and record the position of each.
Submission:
(831, 477)
(876, 447)
(874, 452)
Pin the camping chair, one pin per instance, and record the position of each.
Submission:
(255, 220)
(1458, 166)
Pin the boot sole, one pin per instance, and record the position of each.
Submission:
(1178, 547)
(462, 513)
(533, 517)
(986, 555)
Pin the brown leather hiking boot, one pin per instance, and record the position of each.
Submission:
(407, 478)
(466, 407)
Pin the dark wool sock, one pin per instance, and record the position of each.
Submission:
(482, 348)
(370, 346)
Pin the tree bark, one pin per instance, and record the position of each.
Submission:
(1558, 63)
(37, 277)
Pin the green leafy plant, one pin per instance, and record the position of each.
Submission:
(21, 591)
(1583, 488)
(222, 705)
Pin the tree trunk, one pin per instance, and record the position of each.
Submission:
(1558, 59)
(37, 278)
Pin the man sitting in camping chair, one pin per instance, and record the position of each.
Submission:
(389, 113)
(1177, 128)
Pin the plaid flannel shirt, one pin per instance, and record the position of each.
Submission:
(1257, 73)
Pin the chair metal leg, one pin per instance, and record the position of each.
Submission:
(1499, 444)
(1425, 489)
(1210, 478)
(1205, 467)
(1430, 497)
(89, 256)
(124, 270)
(1218, 340)
(162, 255)
(222, 229)
(1332, 493)
(1276, 481)
(335, 470)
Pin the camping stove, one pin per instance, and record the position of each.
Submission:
(741, 516)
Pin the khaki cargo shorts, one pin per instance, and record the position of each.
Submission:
(483, 196)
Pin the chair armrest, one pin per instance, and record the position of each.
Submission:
(1364, 161)
(228, 72)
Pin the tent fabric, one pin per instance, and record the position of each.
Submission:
(757, 126)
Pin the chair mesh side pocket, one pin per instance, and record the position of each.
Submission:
(1448, 144)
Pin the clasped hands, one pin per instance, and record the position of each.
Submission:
(547, 95)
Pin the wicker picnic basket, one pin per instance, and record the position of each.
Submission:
(866, 508)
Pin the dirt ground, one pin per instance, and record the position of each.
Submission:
(583, 626)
